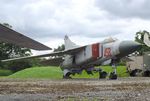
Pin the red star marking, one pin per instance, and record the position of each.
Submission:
(107, 52)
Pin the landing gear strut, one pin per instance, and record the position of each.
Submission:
(113, 75)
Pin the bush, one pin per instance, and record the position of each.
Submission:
(5, 72)
(18, 65)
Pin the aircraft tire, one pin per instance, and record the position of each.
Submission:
(113, 76)
(102, 75)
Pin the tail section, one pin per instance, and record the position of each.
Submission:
(147, 39)
(69, 44)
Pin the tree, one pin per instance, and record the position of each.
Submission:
(140, 39)
(8, 50)
(59, 48)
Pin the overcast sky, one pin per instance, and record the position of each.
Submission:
(85, 21)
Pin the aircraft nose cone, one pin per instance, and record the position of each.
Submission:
(128, 47)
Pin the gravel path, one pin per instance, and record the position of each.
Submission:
(123, 89)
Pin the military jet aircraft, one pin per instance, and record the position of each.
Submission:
(74, 59)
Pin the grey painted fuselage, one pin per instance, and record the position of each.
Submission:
(105, 52)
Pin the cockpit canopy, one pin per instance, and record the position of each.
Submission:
(110, 39)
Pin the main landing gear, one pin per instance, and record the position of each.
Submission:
(102, 74)
(113, 75)
(67, 74)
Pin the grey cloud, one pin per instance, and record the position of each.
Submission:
(54, 18)
(126, 8)
(33, 20)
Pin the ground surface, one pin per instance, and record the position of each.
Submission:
(123, 89)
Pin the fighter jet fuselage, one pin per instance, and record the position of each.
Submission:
(102, 53)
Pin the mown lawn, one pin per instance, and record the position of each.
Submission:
(39, 72)
(56, 73)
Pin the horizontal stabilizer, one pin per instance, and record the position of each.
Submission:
(10, 36)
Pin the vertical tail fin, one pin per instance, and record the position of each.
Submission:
(69, 44)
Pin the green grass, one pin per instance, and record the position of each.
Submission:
(121, 70)
(38, 72)
(56, 73)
